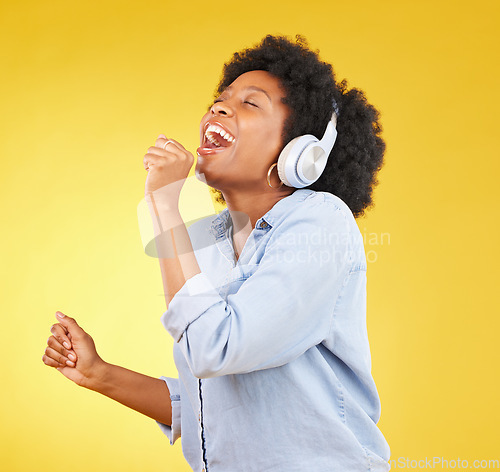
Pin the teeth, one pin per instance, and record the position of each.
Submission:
(212, 140)
(217, 129)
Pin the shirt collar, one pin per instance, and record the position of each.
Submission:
(222, 221)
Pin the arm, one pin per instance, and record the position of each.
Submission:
(72, 352)
(168, 165)
(173, 246)
(147, 395)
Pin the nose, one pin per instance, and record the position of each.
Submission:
(221, 108)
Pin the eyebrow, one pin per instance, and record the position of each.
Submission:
(254, 88)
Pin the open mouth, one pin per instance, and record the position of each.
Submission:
(216, 137)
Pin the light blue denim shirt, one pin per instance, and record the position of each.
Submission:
(272, 350)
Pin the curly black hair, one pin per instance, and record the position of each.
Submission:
(310, 88)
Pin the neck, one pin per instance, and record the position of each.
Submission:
(246, 208)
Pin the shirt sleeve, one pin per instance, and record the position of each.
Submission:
(173, 432)
(281, 310)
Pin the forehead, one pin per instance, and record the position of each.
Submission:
(261, 79)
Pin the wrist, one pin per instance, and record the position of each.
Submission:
(161, 206)
(98, 377)
(165, 197)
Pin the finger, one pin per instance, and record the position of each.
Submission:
(70, 324)
(164, 148)
(149, 161)
(61, 334)
(156, 159)
(51, 362)
(57, 346)
(169, 144)
(151, 158)
(58, 357)
(166, 151)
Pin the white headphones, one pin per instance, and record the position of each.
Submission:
(303, 159)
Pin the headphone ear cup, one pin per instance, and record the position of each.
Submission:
(303, 159)
(311, 164)
(288, 160)
(283, 159)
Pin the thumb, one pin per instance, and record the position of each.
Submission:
(69, 324)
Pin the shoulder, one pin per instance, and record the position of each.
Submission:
(319, 208)
(321, 221)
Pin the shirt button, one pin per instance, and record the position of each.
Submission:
(263, 224)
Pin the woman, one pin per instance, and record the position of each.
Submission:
(266, 301)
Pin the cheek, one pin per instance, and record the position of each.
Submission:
(262, 147)
(262, 142)
(273, 140)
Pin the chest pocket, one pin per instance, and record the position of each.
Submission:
(235, 278)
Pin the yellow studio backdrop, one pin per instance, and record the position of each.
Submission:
(87, 86)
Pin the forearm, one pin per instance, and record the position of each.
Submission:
(147, 395)
(175, 251)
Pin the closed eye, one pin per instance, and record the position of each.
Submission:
(251, 103)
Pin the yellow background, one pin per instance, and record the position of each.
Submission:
(86, 88)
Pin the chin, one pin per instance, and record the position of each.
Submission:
(204, 175)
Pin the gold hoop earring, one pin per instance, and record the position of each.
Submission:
(269, 176)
